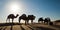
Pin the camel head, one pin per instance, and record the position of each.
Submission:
(16, 15)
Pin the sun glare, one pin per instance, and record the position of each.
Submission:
(14, 7)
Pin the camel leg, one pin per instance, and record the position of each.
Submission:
(27, 21)
(31, 21)
(47, 22)
(9, 20)
(38, 21)
(6, 21)
(19, 20)
(44, 22)
(12, 20)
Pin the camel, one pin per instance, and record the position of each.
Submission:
(31, 17)
(11, 16)
(23, 16)
(26, 19)
(40, 20)
(47, 20)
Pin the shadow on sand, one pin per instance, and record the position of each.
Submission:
(3, 26)
(22, 27)
(11, 27)
(44, 28)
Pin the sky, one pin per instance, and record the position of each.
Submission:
(38, 8)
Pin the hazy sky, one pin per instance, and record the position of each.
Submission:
(39, 8)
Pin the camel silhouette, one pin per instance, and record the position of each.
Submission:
(23, 16)
(40, 20)
(11, 16)
(26, 19)
(47, 20)
(31, 17)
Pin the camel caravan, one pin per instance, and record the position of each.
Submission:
(23, 16)
(29, 17)
(45, 21)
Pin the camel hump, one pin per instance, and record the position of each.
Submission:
(40, 19)
(10, 15)
(31, 17)
(48, 18)
(23, 14)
